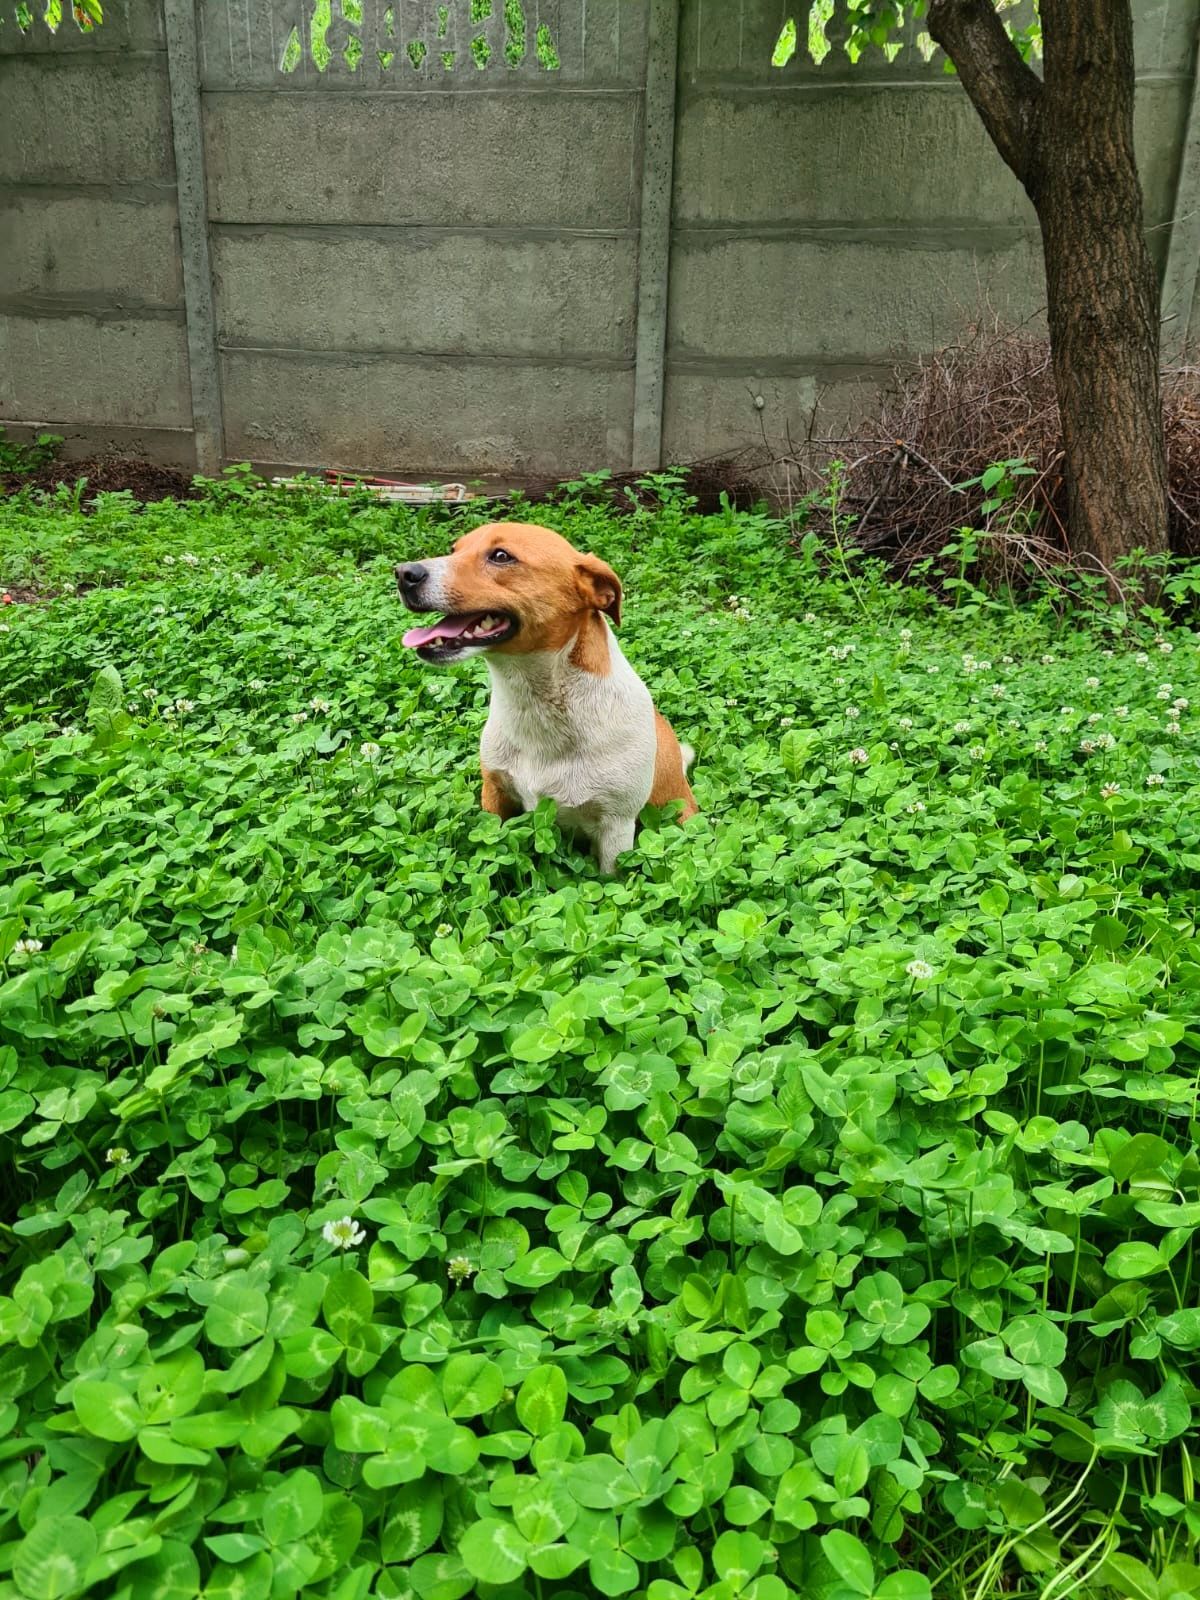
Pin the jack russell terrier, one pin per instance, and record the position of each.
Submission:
(569, 719)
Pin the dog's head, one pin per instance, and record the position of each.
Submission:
(509, 588)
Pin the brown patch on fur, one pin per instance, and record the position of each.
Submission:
(591, 647)
(555, 592)
(496, 798)
(670, 780)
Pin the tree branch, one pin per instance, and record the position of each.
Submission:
(1005, 92)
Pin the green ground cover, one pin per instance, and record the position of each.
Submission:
(396, 1208)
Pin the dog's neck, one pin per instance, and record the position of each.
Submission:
(545, 691)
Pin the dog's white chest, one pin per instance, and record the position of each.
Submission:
(583, 740)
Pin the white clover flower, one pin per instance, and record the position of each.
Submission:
(1155, 780)
(1105, 741)
(1087, 746)
(919, 969)
(1091, 683)
(443, 930)
(1110, 791)
(1095, 717)
(1047, 661)
(69, 730)
(852, 712)
(1142, 659)
(1165, 648)
(185, 705)
(997, 691)
(459, 1269)
(915, 807)
(369, 750)
(4, 628)
(1014, 724)
(1180, 703)
(983, 666)
(1120, 711)
(1163, 692)
(905, 634)
(168, 561)
(962, 727)
(299, 717)
(742, 614)
(786, 722)
(1108, 654)
(905, 723)
(149, 694)
(1039, 744)
(810, 617)
(117, 1156)
(189, 559)
(858, 757)
(977, 752)
(1066, 711)
(1171, 727)
(27, 947)
(257, 684)
(344, 1234)
(933, 670)
(318, 704)
(838, 682)
(1006, 661)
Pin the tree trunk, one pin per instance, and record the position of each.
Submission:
(1069, 140)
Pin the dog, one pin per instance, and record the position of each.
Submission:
(570, 720)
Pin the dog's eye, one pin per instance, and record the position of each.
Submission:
(502, 558)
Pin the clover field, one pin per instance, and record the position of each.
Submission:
(395, 1208)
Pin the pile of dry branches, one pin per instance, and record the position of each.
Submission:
(987, 399)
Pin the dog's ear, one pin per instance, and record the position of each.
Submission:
(600, 586)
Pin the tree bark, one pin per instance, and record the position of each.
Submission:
(1069, 139)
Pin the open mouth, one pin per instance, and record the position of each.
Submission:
(443, 640)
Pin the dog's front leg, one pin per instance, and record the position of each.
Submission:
(496, 798)
(615, 835)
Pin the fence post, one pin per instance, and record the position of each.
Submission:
(654, 243)
(183, 66)
(1181, 276)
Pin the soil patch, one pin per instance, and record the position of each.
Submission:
(145, 480)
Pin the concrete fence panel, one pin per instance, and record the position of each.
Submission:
(506, 236)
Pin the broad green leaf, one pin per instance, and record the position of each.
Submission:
(542, 1400)
(850, 1559)
(493, 1551)
(414, 1520)
(106, 1410)
(471, 1385)
(51, 1560)
(236, 1316)
(293, 1507)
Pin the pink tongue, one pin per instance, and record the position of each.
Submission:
(448, 628)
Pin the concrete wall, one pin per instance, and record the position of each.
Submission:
(397, 260)
(92, 320)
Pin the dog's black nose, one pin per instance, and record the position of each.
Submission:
(411, 577)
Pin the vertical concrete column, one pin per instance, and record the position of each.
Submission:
(1181, 276)
(654, 247)
(183, 65)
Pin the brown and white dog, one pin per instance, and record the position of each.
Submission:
(570, 719)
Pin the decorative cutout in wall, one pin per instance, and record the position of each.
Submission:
(52, 13)
(452, 28)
